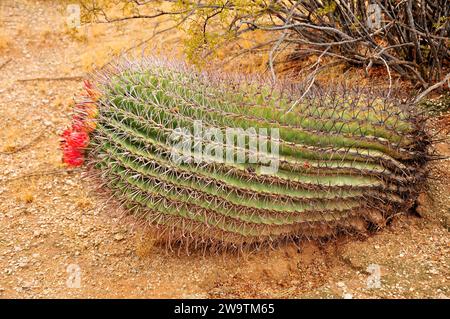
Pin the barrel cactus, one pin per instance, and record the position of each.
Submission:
(344, 161)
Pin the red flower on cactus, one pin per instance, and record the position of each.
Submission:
(73, 156)
(76, 137)
(74, 140)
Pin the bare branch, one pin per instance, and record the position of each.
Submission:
(433, 87)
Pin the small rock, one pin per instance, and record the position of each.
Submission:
(8, 271)
(340, 284)
(27, 285)
(433, 271)
(119, 237)
(23, 263)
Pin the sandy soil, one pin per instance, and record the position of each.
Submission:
(53, 227)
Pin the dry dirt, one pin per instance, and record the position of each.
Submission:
(52, 224)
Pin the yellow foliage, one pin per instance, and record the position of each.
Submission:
(206, 35)
(208, 29)
(329, 7)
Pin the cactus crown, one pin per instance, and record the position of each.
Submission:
(346, 160)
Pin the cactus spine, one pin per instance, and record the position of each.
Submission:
(347, 161)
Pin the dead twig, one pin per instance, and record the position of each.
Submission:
(63, 78)
(313, 76)
(432, 88)
(23, 147)
(5, 63)
(57, 171)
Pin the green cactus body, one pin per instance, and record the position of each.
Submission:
(345, 161)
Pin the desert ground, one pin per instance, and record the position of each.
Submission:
(53, 227)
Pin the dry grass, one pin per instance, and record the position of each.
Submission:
(5, 42)
(27, 197)
(144, 243)
(84, 203)
(11, 137)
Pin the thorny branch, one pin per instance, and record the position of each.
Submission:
(411, 40)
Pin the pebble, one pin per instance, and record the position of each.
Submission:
(340, 284)
(23, 262)
(119, 237)
(8, 271)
